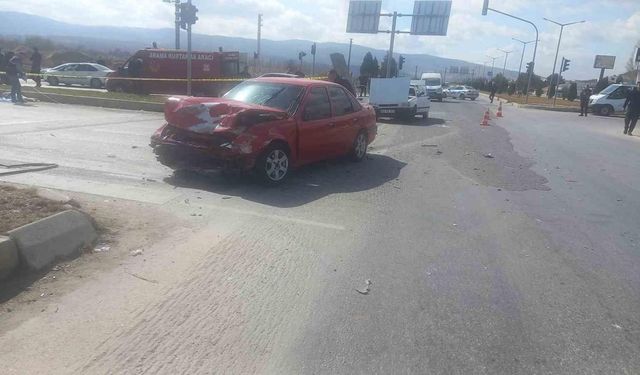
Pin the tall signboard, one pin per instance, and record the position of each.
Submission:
(430, 17)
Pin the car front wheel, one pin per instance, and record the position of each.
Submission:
(359, 150)
(95, 83)
(274, 165)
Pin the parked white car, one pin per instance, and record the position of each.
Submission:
(463, 92)
(83, 74)
(609, 100)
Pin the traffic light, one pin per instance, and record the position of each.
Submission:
(401, 62)
(485, 7)
(565, 65)
(188, 14)
(530, 67)
(313, 49)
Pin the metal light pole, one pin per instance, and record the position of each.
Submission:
(393, 38)
(177, 4)
(349, 58)
(535, 48)
(506, 56)
(524, 47)
(555, 61)
(493, 65)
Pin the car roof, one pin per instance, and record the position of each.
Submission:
(294, 81)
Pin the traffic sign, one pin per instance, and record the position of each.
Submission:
(364, 17)
(430, 17)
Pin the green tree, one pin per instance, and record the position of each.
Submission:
(539, 91)
(512, 88)
(552, 82)
(375, 68)
(501, 82)
(383, 67)
(367, 67)
(573, 92)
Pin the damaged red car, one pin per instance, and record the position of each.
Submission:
(265, 125)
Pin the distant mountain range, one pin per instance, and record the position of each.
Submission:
(13, 24)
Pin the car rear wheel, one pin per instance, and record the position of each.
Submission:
(274, 165)
(606, 110)
(95, 83)
(359, 150)
(461, 97)
(53, 81)
(473, 98)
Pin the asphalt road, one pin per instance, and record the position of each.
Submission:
(508, 249)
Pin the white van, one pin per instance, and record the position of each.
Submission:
(609, 100)
(398, 98)
(433, 83)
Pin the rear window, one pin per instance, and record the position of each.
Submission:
(275, 95)
(340, 101)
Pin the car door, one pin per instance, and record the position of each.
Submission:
(85, 73)
(345, 120)
(422, 100)
(618, 97)
(69, 76)
(315, 126)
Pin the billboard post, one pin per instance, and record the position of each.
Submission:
(603, 62)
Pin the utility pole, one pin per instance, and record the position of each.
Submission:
(485, 9)
(349, 58)
(506, 56)
(493, 65)
(258, 53)
(177, 13)
(555, 60)
(393, 38)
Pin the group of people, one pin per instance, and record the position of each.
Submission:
(631, 107)
(11, 66)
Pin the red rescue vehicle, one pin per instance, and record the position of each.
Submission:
(163, 71)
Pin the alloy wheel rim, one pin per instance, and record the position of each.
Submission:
(277, 165)
(361, 146)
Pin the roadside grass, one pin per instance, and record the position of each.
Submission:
(89, 93)
(542, 101)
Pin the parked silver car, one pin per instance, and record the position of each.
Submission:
(83, 74)
(463, 92)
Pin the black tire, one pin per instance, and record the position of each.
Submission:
(359, 149)
(425, 116)
(461, 97)
(53, 81)
(606, 110)
(95, 83)
(473, 98)
(274, 165)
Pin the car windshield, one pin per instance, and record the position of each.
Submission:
(609, 89)
(275, 95)
(432, 81)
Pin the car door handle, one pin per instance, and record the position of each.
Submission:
(355, 120)
(332, 124)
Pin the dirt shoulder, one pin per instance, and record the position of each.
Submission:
(19, 207)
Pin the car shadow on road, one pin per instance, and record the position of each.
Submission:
(417, 121)
(305, 185)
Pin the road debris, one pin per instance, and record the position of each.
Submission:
(438, 152)
(313, 185)
(488, 156)
(101, 248)
(367, 288)
(616, 326)
(136, 252)
(429, 145)
(142, 278)
(226, 197)
(112, 156)
(134, 146)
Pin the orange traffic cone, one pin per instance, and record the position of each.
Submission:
(485, 120)
(499, 114)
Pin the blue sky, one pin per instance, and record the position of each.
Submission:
(612, 27)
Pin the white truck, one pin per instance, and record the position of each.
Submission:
(433, 84)
(398, 98)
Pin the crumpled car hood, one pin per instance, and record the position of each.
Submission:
(207, 115)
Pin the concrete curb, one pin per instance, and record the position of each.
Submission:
(96, 102)
(59, 236)
(545, 108)
(8, 257)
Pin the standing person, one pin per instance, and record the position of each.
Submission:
(335, 78)
(492, 91)
(36, 65)
(364, 80)
(14, 73)
(585, 94)
(632, 105)
(135, 72)
(3, 67)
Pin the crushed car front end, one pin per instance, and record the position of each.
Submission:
(212, 133)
